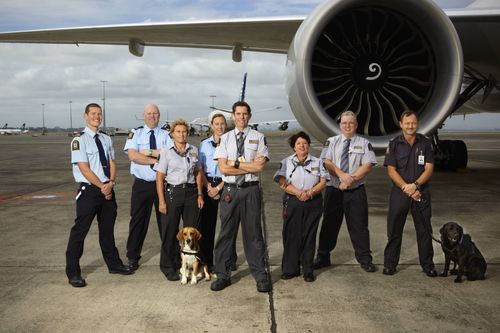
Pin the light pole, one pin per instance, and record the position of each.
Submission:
(212, 97)
(104, 102)
(43, 118)
(70, 117)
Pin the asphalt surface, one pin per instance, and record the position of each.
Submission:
(37, 210)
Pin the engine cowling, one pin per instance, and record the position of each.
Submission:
(376, 58)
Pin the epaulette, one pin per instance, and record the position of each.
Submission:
(135, 129)
(102, 132)
(77, 135)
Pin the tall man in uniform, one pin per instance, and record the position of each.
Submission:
(349, 158)
(143, 148)
(92, 156)
(410, 164)
(241, 155)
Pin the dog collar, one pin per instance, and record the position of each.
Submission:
(189, 252)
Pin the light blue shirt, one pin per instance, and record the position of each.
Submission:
(254, 144)
(209, 165)
(84, 149)
(138, 139)
(360, 152)
(305, 176)
(178, 169)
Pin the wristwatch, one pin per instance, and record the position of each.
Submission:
(417, 185)
(236, 164)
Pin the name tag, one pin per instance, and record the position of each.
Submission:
(241, 159)
(315, 169)
(255, 142)
(193, 155)
(421, 159)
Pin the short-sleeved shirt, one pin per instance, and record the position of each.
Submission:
(302, 175)
(254, 144)
(84, 149)
(409, 160)
(179, 168)
(209, 165)
(360, 152)
(138, 139)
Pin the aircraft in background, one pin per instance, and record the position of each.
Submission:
(6, 130)
(377, 58)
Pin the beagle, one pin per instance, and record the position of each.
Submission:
(188, 238)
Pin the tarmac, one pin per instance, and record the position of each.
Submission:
(37, 210)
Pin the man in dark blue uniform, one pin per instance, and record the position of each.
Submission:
(92, 156)
(143, 148)
(410, 164)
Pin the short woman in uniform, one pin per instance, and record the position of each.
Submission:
(179, 186)
(302, 177)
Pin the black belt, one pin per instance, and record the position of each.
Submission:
(351, 189)
(89, 184)
(185, 185)
(245, 184)
(145, 181)
(214, 179)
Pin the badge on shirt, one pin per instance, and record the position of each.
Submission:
(254, 142)
(315, 169)
(130, 135)
(75, 145)
(241, 159)
(193, 154)
(421, 159)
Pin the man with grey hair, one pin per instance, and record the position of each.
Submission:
(143, 148)
(349, 158)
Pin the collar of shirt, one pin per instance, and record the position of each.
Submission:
(89, 131)
(147, 129)
(188, 148)
(245, 131)
(296, 159)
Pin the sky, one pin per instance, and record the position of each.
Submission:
(180, 81)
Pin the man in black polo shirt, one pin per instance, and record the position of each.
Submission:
(410, 164)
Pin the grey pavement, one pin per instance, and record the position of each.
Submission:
(37, 195)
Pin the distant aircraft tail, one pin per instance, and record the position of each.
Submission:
(23, 127)
(243, 88)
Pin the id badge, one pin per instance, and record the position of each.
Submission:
(421, 159)
(241, 159)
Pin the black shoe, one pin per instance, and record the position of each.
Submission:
(431, 273)
(370, 268)
(133, 264)
(172, 276)
(233, 267)
(77, 281)
(388, 271)
(264, 286)
(288, 276)
(122, 270)
(320, 262)
(220, 284)
(309, 277)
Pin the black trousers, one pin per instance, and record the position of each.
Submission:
(399, 205)
(244, 207)
(208, 224)
(91, 202)
(354, 205)
(144, 197)
(181, 203)
(300, 226)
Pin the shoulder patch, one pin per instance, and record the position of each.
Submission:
(131, 134)
(370, 147)
(265, 141)
(75, 145)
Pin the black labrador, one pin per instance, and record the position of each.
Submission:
(459, 248)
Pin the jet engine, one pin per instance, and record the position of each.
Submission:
(377, 58)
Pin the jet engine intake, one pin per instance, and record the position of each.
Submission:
(377, 58)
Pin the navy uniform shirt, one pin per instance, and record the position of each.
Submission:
(138, 139)
(254, 145)
(408, 160)
(209, 165)
(360, 152)
(302, 176)
(84, 149)
(179, 168)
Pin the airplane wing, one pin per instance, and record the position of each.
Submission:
(375, 58)
(263, 35)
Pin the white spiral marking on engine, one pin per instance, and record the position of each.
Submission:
(374, 67)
